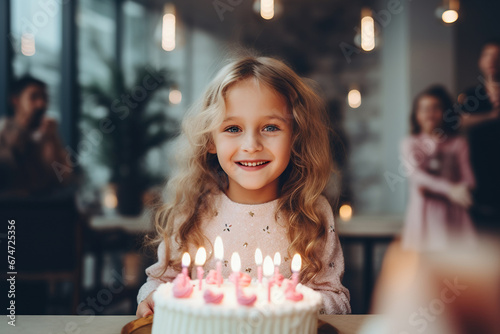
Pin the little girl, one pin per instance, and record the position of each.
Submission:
(255, 160)
(437, 162)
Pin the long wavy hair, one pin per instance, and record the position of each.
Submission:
(198, 173)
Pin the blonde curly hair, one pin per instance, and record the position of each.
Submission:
(199, 174)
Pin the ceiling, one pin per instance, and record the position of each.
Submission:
(304, 31)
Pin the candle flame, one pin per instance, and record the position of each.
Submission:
(296, 263)
(277, 259)
(201, 256)
(218, 248)
(186, 260)
(258, 257)
(268, 266)
(235, 262)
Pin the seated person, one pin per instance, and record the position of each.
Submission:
(30, 144)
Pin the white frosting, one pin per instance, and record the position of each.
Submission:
(194, 315)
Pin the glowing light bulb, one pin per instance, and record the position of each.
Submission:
(345, 212)
(28, 44)
(449, 16)
(354, 98)
(168, 28)
(175, 96)
(367, 31)
(267, 9)
(110, 200)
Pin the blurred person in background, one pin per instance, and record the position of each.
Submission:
(481, 120)
(29, 143)
(440, 178)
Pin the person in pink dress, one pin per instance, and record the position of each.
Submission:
(440, 178)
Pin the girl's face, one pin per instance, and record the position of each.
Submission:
(429, 114)
(253, 143)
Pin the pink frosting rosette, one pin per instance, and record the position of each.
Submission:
(211, 277)
(247, 300)
(245, 279)
(277, 279)
(182, 286)
(212, 297)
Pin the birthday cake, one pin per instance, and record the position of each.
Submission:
(183, 307)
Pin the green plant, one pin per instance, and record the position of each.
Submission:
(133, 127)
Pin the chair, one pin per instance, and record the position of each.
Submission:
(48, 248)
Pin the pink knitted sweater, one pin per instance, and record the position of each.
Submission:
(245, 227)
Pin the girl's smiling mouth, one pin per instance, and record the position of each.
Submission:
(252, 165)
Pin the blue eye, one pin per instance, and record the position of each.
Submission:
(232, 129)
(271, 128)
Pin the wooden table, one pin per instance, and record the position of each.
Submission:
(51, 324)
(138, 224)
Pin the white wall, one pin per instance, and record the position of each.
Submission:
(417, 50)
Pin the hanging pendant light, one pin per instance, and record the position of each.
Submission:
(28, 44)
(354, 98)
(448, 11)
(168, 28)
(268, 9)
(367, 33)
(175, 95)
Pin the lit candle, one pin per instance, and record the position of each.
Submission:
(268, 272)
(258, 261)
(236, 266)
(219, 254)
(296, 265)
(186, 261)
(201, 257)
(277, 262)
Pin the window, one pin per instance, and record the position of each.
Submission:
(36, 39)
